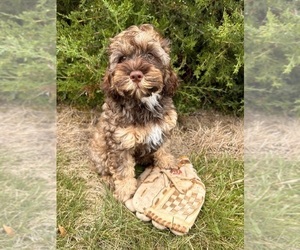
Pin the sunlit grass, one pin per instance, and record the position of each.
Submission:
(218, 226)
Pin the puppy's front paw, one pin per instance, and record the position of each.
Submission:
(166, 161)
(125, 189)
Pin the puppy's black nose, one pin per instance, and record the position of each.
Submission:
(136, 76)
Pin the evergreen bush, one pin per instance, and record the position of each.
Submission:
(207, 48)
(272, 56)
(27, 48)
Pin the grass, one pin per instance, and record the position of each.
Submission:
(219, 225)
(272, 206)
(272, 183)
(27, 178)
(25, 207)
(93, 219)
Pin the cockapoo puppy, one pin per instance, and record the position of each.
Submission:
(138, 113)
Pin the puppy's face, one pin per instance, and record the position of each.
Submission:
(139, 65)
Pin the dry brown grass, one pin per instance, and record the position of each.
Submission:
(73, 133)
(206, 132)
(272, 136)
(209, 133)
(30, 136)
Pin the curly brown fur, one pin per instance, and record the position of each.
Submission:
(138, 113)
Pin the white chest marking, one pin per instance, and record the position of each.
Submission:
(155, 137)
(151, 101)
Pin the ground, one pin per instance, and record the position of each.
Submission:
(272, 158)
(92, 218)
(27, 177)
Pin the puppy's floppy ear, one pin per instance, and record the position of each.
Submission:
(165, 44)
(170, 83)
(106, 84)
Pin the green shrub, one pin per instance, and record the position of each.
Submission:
(207, 48)
(272, 56)
(27, 51)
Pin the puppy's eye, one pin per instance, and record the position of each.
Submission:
(149, 56)
(122, 59)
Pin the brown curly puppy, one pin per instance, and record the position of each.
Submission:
(138, 113)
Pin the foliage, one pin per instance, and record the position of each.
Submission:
(272, 55)
(207, 48)
(27, 49)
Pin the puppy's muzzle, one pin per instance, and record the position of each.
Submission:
(137, 76)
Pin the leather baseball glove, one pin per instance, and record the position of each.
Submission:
(171, 198)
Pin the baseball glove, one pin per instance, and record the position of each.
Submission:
(171, 198)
